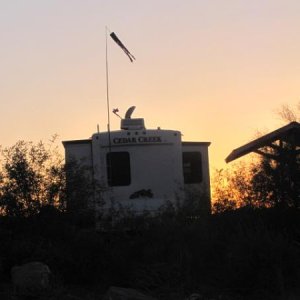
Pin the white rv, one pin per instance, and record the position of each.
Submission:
(142, 169)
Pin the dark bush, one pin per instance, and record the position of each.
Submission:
(245, 252)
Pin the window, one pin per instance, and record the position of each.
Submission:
(118, 168)
(192, 167)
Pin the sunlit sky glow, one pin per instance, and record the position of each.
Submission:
(215, 70)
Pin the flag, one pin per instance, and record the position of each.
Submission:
(121, 45)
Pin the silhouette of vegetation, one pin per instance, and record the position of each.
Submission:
(232, 188)
(251, 253)
(31, 177)
(80, 188)
(289, 114)
(270, 180)
(261, 183)
(250, 249)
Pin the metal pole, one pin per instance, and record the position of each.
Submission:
(107, 90)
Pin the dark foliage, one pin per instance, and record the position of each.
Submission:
(266, 182)
(247, 252)
(31, 176)
(270, 181)
(243, 253)
(276, 182)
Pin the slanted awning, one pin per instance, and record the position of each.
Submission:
(289, 133)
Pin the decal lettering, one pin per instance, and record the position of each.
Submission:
(137, 140)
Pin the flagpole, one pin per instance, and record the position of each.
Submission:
(131, 58)
(107, 90)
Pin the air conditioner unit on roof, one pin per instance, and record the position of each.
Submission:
(133, 124)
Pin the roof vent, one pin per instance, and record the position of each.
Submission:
(132, 124)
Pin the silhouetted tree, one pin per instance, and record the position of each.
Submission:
(232, 187)
(31, 176)
(271, 180)
(81, 188)
(276, 175)
(289, 114)
(276, 181)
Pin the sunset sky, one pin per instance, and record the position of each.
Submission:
(217, 70)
